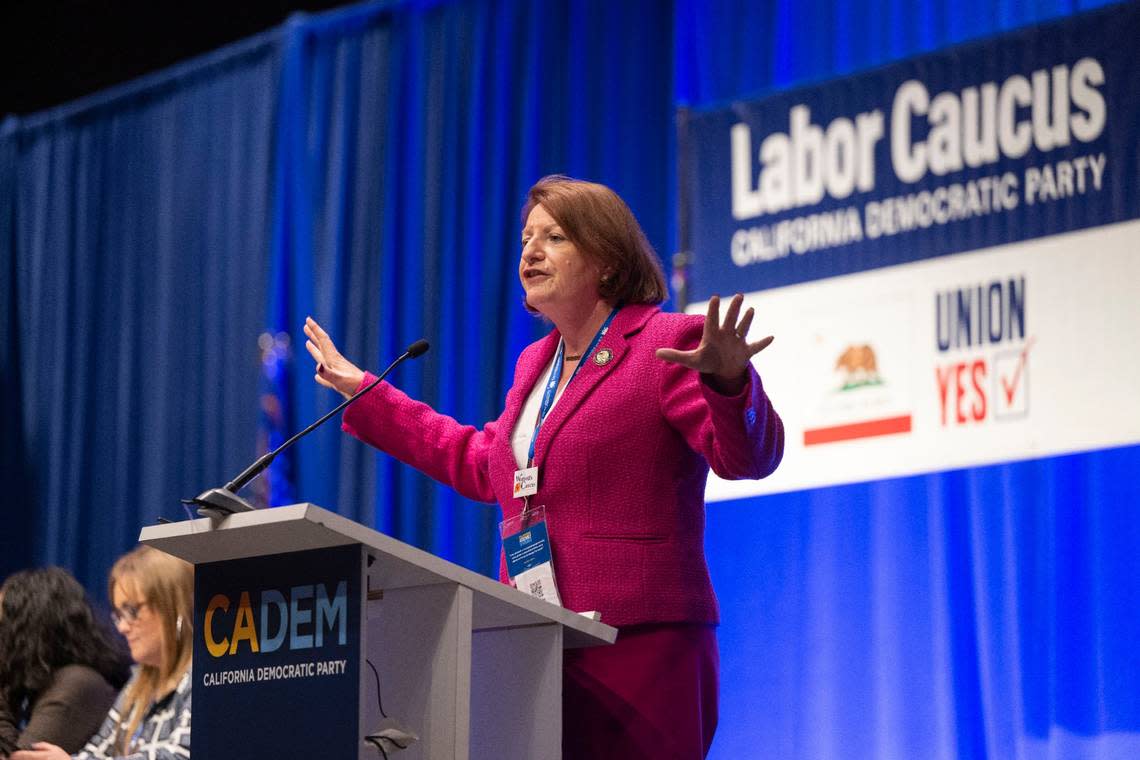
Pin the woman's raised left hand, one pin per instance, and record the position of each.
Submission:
(724, 353)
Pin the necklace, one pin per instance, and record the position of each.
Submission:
(572, 358)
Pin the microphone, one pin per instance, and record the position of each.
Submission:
(220, 502)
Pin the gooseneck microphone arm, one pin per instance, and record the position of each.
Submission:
(219, 502)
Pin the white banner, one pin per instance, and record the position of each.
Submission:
(1019, 351)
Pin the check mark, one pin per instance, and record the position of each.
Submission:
(1010, 387)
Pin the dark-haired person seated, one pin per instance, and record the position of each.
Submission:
(60, 670)
(153, 597)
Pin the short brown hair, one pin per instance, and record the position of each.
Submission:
(600, 223)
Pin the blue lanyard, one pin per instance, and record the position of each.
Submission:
(556, 375)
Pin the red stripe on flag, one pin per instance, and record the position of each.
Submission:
(868, 429)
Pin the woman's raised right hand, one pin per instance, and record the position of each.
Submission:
(333, 370)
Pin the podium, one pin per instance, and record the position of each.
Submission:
(295, 606)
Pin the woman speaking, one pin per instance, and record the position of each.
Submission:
(610, 428)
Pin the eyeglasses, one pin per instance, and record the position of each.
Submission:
(127, 614)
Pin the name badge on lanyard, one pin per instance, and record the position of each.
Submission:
(526, 537)
(526, 546)
(526, 482)
(526, 479)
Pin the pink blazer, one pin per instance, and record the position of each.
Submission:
(623, 460)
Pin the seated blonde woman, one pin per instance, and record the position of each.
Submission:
(152, 594)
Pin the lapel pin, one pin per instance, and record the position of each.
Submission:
(602, 358)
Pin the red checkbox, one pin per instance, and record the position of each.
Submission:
(1012, 370)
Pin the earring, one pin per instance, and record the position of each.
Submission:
(178, 627)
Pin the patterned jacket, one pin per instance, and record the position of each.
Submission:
(164, 733)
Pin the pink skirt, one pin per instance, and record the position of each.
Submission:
(653, 694)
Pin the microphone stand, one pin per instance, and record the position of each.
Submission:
(224, 501)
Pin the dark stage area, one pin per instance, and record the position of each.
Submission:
(54, 51)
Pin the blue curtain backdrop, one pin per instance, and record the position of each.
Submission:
(135, 261)
(366, 167)
(407, 140)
